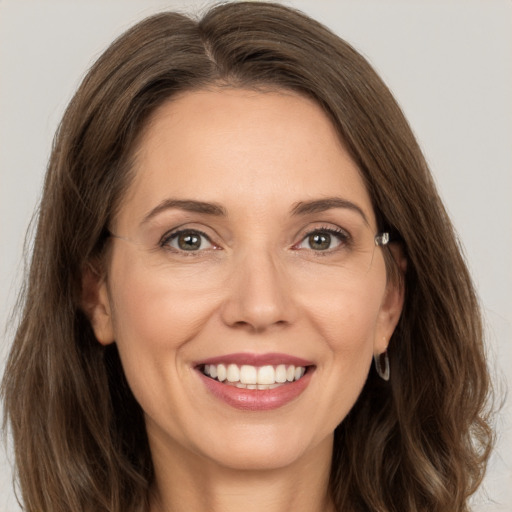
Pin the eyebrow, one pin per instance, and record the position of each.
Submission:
(300, 208)
(322, 205)
(188, 205)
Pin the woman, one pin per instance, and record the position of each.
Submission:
(236, 203)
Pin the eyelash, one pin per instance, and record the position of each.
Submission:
(343, 237)
(340, 234)
(173, 235)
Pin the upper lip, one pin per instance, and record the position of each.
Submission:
(252, 359)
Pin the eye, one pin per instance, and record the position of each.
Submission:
(324, 240)
(189, 240)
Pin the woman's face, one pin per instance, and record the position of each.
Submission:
(244, 255)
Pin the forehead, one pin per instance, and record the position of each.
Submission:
(242, 148)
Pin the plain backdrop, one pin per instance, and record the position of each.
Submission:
(449, 63)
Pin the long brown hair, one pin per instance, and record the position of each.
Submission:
(417, 443)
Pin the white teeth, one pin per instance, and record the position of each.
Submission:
(253, 377)
(248, 374)
(266, 375)
(299, 372)
(233, 373)
(281, 373)
(221, 372)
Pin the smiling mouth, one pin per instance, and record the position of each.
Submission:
(254, 377)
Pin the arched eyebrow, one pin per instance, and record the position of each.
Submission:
(188, 205)
(215, 209)
(328, 203)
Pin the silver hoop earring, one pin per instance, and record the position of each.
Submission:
(382, 365)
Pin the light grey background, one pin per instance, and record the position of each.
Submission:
(449, 63)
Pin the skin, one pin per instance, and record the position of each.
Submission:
(255, 286)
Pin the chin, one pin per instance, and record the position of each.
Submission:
(265, 448)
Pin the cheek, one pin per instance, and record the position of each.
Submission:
(347, 319)
(156, 308)
(346, 313)
(153, 318)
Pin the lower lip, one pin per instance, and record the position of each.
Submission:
(257, 399)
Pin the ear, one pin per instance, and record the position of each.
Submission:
(96, 304)
(393, 301)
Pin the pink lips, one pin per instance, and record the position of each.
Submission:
(256, 359)
(252, 399)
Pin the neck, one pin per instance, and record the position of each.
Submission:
(185, 481)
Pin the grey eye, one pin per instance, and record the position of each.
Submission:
(319, 241)
(322, 240)
(189, 240)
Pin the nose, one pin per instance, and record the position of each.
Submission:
(259, 295)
